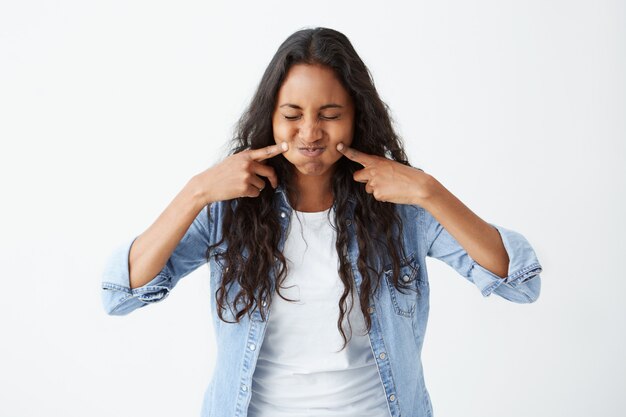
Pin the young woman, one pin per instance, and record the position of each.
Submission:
(317, 217)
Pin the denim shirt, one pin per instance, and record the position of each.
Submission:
(398, 318)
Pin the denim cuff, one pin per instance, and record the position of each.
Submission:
(522, 281)
(117, 296)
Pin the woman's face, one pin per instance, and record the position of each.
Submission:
(313, 113)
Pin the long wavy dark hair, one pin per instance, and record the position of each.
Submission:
(251, 227)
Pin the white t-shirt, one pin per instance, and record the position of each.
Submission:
(299, 372)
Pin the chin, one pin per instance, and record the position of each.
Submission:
(313, 171)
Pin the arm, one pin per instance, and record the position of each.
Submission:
(150, 251)
(495, 259)
(145, 269)
(456, 236)
(480, 239)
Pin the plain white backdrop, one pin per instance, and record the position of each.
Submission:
(107, 108)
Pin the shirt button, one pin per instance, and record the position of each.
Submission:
(370, 310)
(252, 346)
(382, 355)
(406, 278)
(348, 222)
(244, 387)
(263, 303)
(282, 214)
(392, 397)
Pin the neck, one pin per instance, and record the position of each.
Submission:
(314, 193)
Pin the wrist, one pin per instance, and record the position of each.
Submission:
(426, 188)
(198, 194)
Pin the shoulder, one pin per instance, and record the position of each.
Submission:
(218, 209)
(409, 211)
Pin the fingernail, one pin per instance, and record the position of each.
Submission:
(339, 146)
(284, 146)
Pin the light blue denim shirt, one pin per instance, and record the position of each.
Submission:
(398, 319)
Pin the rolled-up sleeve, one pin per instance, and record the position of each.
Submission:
(190, 253)
(522, 283)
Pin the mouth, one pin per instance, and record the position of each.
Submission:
(311, 151)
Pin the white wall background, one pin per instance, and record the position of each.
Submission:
(107, 108)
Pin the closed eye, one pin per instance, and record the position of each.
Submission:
(323, 117)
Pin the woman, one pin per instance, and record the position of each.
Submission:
(317, 214)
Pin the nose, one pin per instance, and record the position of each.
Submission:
(310, 131)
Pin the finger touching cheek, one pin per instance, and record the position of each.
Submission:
(359, 176)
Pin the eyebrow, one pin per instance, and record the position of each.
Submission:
(325, 106)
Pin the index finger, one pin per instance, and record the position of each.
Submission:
(354, 155)
(267, 152)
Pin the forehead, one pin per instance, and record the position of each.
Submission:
(309, 85)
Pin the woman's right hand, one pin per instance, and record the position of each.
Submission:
(239, 175)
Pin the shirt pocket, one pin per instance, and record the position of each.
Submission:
(411, 285)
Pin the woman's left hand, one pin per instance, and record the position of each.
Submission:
(388, 180)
